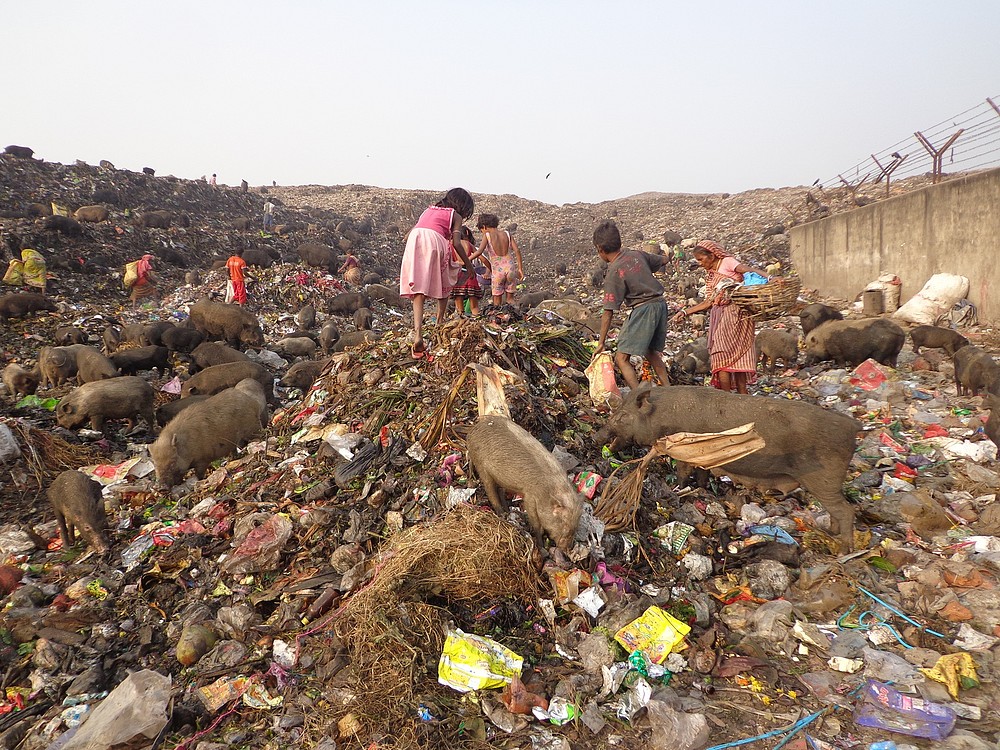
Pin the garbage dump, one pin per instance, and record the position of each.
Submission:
(342, 572)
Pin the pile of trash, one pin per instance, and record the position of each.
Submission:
(342, 581)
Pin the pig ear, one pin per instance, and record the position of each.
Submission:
(642, 394)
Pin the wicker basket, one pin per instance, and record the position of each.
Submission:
(771, 300)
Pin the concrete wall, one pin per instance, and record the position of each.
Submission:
(953, 227)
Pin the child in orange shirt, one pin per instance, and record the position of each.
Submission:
(236, 264)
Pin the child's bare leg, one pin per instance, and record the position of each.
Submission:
(626, 369)
(442, 308)
(418, 322)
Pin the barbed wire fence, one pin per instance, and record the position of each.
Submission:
(969, 140)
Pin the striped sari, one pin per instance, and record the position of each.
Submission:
(730, 328)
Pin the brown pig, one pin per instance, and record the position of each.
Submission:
(812, 316)
(208, 431)
(18, 305)
(171, 409)
(351, 338)
(57, 364)
(127, 397)
(347, 303)
(935, 337)
(111, 338)
(132, 361)
(851, 342)
(296, 346)
(363, 319)
(506, 457)
(975, 369)
(91, 213)
(210, 353)
(805, 445)
(179, 339)
(306, 317)
(79, 506)
(66, 335)
(329, 335)
(135, 333)
(20, 381)
(991, 403)
(773, 345)
(231, 323)
(302, 375)
(217, 378)
(91, 365)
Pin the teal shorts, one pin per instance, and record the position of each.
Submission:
(645, 330)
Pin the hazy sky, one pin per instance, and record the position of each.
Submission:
(612, 98)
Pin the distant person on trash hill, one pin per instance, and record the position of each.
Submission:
(428, 268)
(629, 281)
(730, 328)
(351, 270)
(498, 246)
(237, 283)
(144, 285)
(268, 215)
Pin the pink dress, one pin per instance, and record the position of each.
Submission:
(429, 265)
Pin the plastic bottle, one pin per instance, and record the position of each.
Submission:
(890, 745)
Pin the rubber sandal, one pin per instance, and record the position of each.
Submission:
(421, 353)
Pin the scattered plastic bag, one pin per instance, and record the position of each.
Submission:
(136, 708)
(883, 707)
(954, 671)
(869, 375)
(472, 662)
(655, 633)
(601, 375)
(675, 730)
(261, 548)
(9, 449)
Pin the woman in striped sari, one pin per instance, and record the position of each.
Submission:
(730, 329)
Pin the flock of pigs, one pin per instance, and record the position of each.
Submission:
(224, 404)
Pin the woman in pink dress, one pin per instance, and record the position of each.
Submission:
(428, 268)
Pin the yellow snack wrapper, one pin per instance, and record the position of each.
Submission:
(655, 633)
(954, 671)
(472, 662)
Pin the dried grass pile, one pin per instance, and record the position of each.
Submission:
(392, 631)
(48, 455)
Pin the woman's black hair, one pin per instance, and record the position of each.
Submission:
(458, 199)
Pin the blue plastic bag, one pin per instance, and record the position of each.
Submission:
(753, 279)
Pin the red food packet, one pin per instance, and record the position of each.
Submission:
(887, 440)
(586, 483)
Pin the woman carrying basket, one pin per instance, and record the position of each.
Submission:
(730, 328)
